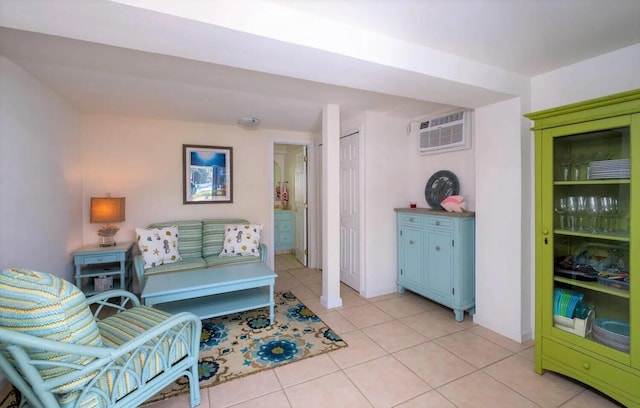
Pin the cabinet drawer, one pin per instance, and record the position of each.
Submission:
(598, 370)
(284, 227)
(411, 219)
(440, 222)
(95, 259)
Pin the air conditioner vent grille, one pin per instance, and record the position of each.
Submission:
(445, 133)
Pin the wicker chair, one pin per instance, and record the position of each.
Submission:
(58, 353)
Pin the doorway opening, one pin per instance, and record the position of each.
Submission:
(291, 200)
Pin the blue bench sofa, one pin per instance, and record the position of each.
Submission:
(199, 244)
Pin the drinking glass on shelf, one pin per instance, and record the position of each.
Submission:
(581, 204)
(565, 166)
(620, 211)
(593, 210)
(580, 160)
(561, 210)
(607, 209)
(572, 209)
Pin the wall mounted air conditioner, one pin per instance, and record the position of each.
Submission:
(446, 133)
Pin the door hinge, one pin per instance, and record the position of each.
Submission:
(306, 159)
(306, 206)
(306, 252)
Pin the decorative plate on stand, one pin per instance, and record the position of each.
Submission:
(440, 186)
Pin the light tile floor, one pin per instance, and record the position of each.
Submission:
(404, 351)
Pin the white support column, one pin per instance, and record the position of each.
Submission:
(331, 207)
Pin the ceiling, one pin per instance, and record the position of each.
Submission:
(215, 61)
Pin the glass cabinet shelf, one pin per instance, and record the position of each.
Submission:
(597, 235)
(591, 182)
(593, 286)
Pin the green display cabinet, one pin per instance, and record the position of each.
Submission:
(587, 240)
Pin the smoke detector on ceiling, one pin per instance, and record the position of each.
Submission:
(249, 122)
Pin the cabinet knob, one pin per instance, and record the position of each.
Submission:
(437, 248)
(437, 222)
(545, 232)
(410, 219)
(411, 242)
(586, 365)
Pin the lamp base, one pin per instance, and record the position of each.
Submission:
(107, 241)
(106, 234)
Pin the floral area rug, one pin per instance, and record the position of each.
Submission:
(240, 344)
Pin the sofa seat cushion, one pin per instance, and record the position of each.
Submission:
(48, 307)
(189, 237)
(213, 231)
(191, 263)
(216, 260)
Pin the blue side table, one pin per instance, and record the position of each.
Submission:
(94, 261)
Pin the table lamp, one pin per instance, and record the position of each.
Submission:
(105, 210)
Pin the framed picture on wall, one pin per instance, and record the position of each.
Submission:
(207, 174)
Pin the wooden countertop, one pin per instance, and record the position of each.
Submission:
(431, 211)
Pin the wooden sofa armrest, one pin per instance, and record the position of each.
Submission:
(263, 252)
(138, 269)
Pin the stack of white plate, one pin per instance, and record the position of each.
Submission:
(610, 169)
(613, 333)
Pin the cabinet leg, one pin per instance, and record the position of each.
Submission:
(472, 311)
(400, 289)
(459, 315)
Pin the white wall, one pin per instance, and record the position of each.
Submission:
(385, 188)
(616, 71)
(40, 177)
(141, 159)
(500, 274)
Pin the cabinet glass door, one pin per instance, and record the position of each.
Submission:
(591, 193)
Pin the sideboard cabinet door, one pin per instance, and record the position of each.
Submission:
(436, 257)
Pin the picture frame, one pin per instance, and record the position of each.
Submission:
(207, 174)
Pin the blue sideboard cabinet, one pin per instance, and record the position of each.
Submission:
(436, 256)
(283, 230)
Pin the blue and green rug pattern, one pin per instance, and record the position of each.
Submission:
(244, 343)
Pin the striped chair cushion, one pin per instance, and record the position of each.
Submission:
(149, 361)
(213, 235)
(189, 237)
(144, 366)
(48, 307)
